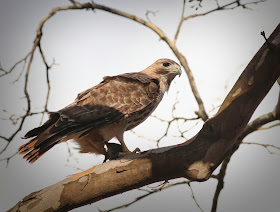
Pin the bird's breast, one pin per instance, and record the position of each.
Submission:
(138, 117)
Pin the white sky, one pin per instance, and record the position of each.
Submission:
(88, 45)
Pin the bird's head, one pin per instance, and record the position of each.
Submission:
(164, 70)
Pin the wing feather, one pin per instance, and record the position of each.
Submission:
(113, 100)
(108, 102)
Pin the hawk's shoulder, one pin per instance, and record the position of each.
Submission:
(133, 76)
(137, 78)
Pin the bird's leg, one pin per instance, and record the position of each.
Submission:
(113, 151)
(124, 147)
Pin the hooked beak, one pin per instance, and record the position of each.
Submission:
(179, 70)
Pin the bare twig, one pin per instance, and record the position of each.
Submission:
(9, 139)
(193, 196)
(48, 67)
(229, 6)
(7, 159)
(14, 66)
(180, 23)
(150, 12)
(220, 177)
(175, 119)
(145, 195)
(266, 146)
(1, 69)
(269, 44)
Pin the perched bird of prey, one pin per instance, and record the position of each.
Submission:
(119, 103)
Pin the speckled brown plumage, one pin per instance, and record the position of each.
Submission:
(117, 104)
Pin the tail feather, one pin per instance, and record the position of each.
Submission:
(43, 141)
(47, 136)
(38, 130)
(33, 153)
(28, 146)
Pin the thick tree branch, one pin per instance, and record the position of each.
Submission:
(194, 160)
(250, 128)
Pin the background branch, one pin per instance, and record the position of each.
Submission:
(148, 193)
(229, 6)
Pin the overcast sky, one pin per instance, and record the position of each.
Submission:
(88, 45)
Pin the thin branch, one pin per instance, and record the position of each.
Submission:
(145, 195)
(20, 74)
(193, 196)
(14, 66)
(7, 159)
(270, 127)
(220, 177)
(9, 139)
(1, 69)
(150, 12)
(229, 6)
(141, 136)
(180, 23)
(266, 146)
(234, 4)
(258, 123)
(48, 67)
(74, 3)
(169, 123)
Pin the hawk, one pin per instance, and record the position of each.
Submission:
(117, 104)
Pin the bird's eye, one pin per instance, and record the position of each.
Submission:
(166, 64)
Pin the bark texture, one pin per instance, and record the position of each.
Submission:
(195, 159)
